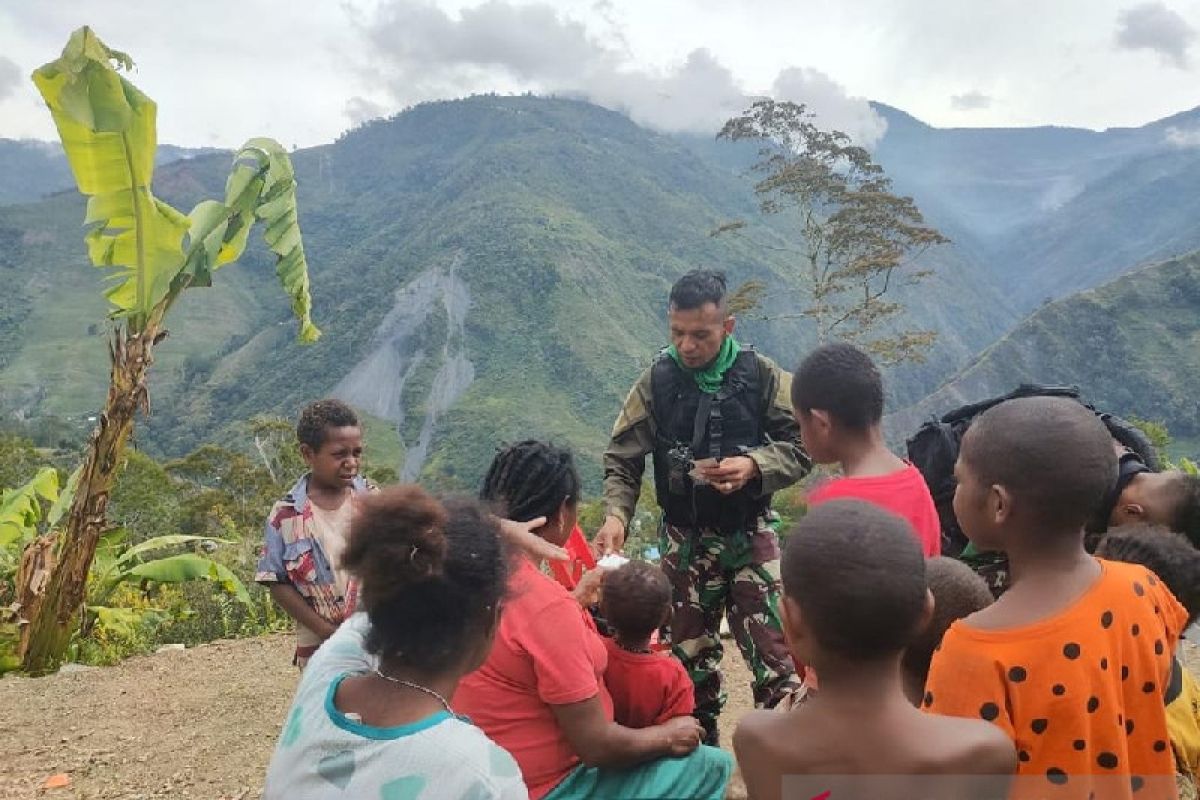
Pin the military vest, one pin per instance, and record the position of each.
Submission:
(692, 425)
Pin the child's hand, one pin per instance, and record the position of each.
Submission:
(587, 591)
(683, 735)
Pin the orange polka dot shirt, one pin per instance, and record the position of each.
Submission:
(1081, 693)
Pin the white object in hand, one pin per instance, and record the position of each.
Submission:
(612, 561)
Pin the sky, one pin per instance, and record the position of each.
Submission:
(223, 71)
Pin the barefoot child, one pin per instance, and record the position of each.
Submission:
(1073, 660)
(647, 688)
(854, 597)
(370, 718)
(307, 530)
(957, 591)
(837, 397)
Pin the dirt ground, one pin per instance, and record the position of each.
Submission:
(199, 723)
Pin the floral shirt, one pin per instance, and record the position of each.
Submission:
(292, 553)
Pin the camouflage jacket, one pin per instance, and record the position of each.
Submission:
(781, 462)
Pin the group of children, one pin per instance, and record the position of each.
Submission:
(1068, 685)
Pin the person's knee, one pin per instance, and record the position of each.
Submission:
(715, 764)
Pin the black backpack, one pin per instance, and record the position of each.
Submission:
(933, 449)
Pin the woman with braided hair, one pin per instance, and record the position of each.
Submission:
(540, 693)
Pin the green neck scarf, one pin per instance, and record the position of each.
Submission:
(709, 379)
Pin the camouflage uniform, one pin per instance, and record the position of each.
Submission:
(715, 573)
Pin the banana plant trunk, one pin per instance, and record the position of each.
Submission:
(54, 614)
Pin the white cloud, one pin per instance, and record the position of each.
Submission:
(1153, 26)
(833, 108)
(360, 110)
(1184, 138)
(970, 101)
(421, 52)
(10, 77)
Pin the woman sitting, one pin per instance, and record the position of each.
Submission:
(371, 717)
(540, 694)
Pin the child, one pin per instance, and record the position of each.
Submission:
(1072, 661)
(957, 592)
(307, 530)
(1170, 499)
(837, 396)
(1171, 557)
(370, 718)
(647, 688)
(854, 597)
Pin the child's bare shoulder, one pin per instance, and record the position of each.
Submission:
(970, 746)
(773, 735)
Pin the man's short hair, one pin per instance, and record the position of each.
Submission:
(697, 289)
(1183, 494)
(1052, 454)
(858, 575)
(636, 599)
(843, 381)
(1169, 555)
(958, 591)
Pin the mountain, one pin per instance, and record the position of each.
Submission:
(485, 270)
(1132, 346)
(1050, 210)
(31, 169)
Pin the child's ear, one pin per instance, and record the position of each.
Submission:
(307, 453)
(1127, 513)
(790, 617)
(927, 612)
(999, 504)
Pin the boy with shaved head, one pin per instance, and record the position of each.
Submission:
(1073, 660)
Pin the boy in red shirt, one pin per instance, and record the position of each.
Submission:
(837, 397)
(647, 688)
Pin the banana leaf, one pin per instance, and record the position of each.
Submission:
(20, 508)
(153, 252)
(190, 567)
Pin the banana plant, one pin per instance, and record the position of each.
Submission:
(118, 564)
(20, 517)
(152, 253)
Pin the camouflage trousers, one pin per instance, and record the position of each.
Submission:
(713, 575)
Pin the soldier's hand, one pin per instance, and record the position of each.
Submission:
(611, 536)
(683, 734)
(732, 474)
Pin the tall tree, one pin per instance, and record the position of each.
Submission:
(858, 237)
(154, 252)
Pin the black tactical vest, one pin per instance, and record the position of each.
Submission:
(692, 425)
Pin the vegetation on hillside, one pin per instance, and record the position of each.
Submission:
(1132, 346)
(566, 223)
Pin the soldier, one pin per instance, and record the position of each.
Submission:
(717, 419)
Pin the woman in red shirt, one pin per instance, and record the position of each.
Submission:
(540, 694)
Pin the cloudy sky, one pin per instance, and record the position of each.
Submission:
(302, 72)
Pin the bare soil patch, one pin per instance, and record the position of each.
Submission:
(198, 723)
